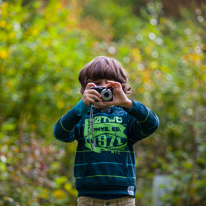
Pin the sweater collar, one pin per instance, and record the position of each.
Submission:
(109, 110)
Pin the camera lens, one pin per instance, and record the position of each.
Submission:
(106, 95)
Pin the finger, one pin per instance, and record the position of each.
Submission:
(94, 92)
(113, 84)
(92, 101)
(89, 85)
(111, 81)
(94, 97)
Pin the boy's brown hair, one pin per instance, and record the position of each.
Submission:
(103, 67)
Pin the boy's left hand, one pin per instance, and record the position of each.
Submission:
(119, 97)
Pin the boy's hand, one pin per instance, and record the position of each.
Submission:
(90, 95)
(119, 97)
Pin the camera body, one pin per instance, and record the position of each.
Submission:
(107, 94)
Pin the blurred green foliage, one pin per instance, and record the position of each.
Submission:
(42, 50)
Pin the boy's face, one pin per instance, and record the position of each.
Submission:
(101, 105)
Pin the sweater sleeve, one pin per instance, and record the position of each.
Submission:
(142, 121)
(66, 128)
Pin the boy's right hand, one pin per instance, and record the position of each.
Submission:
(90, 95)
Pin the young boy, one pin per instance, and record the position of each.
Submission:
(105, 173)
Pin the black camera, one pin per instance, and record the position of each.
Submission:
(106, 93)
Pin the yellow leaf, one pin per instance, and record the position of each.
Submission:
(68, 187)
(140, 90)
(191, 57)
(153, 64)
(60, 105)
(11, 35)
(3, 23)
(9, 199)
(136, 55)
(59, 194)
(146, 76)
(61, 180)
(34, 32)
(74, 193)
(164, 68)
(3, 54)
(55, 166)
(3, 8)
(148, 50)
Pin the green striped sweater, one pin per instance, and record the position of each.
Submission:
(110, 167)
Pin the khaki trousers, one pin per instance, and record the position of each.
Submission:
(124, 201)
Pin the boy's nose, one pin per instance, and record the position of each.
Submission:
(104, 82)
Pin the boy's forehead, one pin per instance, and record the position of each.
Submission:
(101, 80)
(94, 80)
